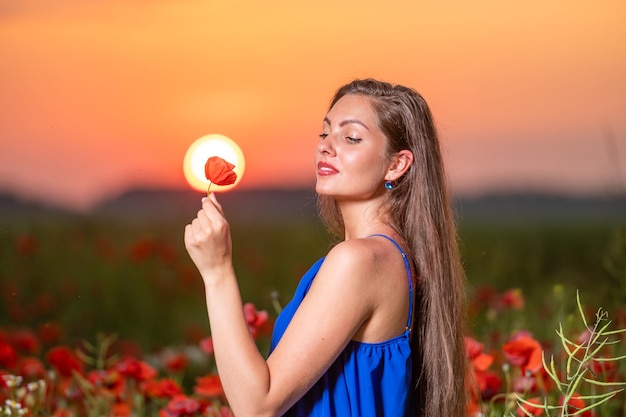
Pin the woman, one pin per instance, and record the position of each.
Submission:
(375, 326)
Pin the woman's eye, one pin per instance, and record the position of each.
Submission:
(323, 135)
(353, 140)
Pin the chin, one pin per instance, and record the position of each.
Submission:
(323, 187)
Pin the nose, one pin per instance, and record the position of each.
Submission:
(325, 146)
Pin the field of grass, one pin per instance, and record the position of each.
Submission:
(135, 279)
(68, 279)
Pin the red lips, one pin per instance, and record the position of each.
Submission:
(326, 169)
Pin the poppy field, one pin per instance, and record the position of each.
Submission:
(105, 317)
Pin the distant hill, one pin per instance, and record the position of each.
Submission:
(284, 205)
(250, 205)
(501, 208)
(13, 208)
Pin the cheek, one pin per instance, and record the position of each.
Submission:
(368, 167)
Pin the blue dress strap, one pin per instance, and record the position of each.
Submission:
(410, 277)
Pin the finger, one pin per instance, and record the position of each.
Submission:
(213, 209)
(202, 218)
(188, 236)
(202, 227)
(213, 198)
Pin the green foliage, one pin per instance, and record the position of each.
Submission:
(579, 370)
(89, 274)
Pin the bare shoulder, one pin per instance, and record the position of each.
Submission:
(362, 257)
(375, 270)
(353, 251)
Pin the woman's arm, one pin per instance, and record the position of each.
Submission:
(337, 304)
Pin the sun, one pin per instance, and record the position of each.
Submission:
(201, 150)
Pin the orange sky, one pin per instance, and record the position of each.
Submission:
(96, 97)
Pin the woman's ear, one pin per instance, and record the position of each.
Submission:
(400, 164)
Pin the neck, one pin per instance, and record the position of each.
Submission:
(363, 218)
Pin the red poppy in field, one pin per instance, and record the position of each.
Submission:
(64, 360)
(524, 351)
(487, 383)
(26, 341)
(109, 382)
(70, 391)
(533, 411)
(121, 409)
(8, 357)
(474, 352)
(176, 362)
(162, 388)
(209, 386)
(219, 171)
(512, 299)
(574, 405)
(135, 369)
(206, 345)
(608, 370)
(181, 406)
(31, 369)
(254, 318)
(530, 383)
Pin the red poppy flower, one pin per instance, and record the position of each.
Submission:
(575, 404)
(64, 360)
(474, 352)
(206, 345)
(534, 411)
(162, 388)
(524, 351)
(209, 386)
(254, 318)
(26, 341)
(608, 370)
(512, 299)
(109, 381)
(219, 171)
(136, 369)
(8, 356)
(487, 383)
(31, 368)
(181, 406)
(121, 409)
(176, 362)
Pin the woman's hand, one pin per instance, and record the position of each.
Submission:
(208, 241)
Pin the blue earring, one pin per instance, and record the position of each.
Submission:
(389, 185)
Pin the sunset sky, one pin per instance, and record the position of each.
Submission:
(100, 96)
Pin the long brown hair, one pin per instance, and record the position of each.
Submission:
(419, 210)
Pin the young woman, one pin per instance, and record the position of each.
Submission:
(375, 327)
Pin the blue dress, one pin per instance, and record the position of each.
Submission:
(367, 379)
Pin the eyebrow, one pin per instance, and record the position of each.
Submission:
(346, 122)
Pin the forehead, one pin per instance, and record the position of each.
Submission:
(357, 107)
